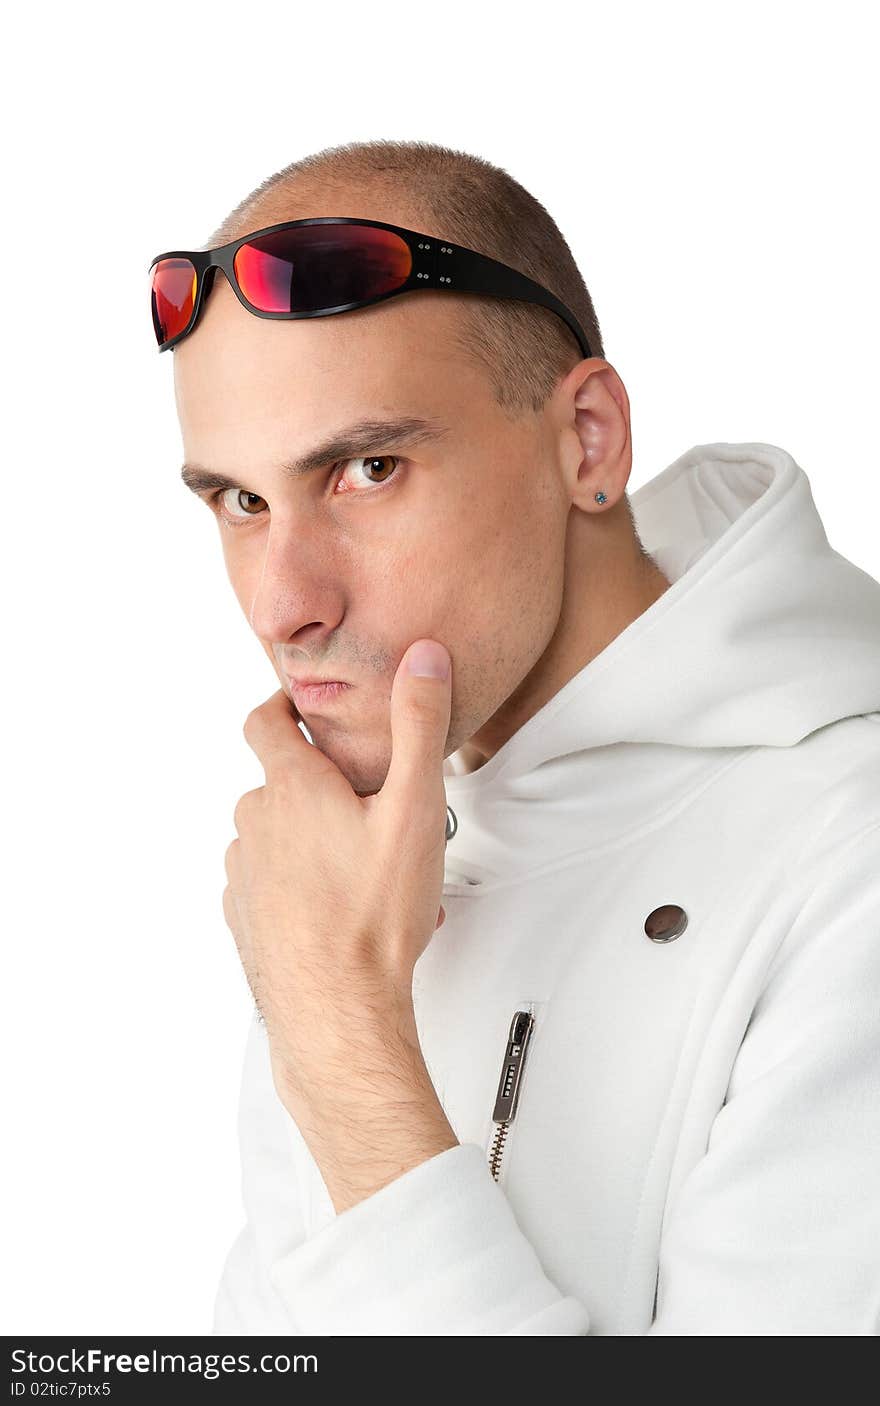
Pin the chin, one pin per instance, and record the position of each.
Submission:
(365, 773)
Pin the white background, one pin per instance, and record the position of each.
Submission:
(714, 170)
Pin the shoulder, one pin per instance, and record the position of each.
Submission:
(832, 779)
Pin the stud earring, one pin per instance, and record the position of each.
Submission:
(600, 497)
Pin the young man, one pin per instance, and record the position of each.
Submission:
(595, 1050)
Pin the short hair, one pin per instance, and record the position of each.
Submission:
(523, 348)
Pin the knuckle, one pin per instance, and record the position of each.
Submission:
(282, 774)
(422, 715)
(245, 804)
(250, 724)
(227, 908)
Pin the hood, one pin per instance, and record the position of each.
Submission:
(765, 634)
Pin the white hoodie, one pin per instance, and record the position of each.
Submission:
(695, 1149)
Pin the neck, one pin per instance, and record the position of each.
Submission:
(608, 583)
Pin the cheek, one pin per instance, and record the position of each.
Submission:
(243, 587)
(509, 563)
(491, 587)
(519, 589)
(244, 566)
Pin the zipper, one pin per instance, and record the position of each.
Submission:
(509, 1083)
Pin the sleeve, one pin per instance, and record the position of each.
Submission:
(435, 1253)
(776, 1230)
(271, 1177)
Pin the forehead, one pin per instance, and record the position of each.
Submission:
(418, 323)
(238, 375)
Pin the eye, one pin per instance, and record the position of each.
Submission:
(374, 464)
(233, 495)
(225, 500)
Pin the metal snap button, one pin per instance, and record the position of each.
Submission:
(666, 923)
(451, 823)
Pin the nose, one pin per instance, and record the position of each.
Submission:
(300, 587)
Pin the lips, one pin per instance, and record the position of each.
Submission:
(306, 694)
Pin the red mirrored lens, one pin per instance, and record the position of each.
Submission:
(315, 268)
(173, 297)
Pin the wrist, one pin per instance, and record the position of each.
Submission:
(373, 1129)
(366, 1066)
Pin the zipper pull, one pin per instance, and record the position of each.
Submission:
(509, 1085)
(512, 1067)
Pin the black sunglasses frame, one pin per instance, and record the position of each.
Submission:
(435, 264)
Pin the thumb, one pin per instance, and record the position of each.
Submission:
(420, 706)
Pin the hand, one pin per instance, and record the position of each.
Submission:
(332, 897)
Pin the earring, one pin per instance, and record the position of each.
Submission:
(600, 497)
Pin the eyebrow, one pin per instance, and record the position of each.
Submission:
(364, 437)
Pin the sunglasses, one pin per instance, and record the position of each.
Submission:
(321, 266)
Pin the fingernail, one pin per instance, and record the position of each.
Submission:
(428, 659)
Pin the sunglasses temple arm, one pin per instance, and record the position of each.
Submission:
(477, 273)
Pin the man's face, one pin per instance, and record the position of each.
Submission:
(460, 538)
